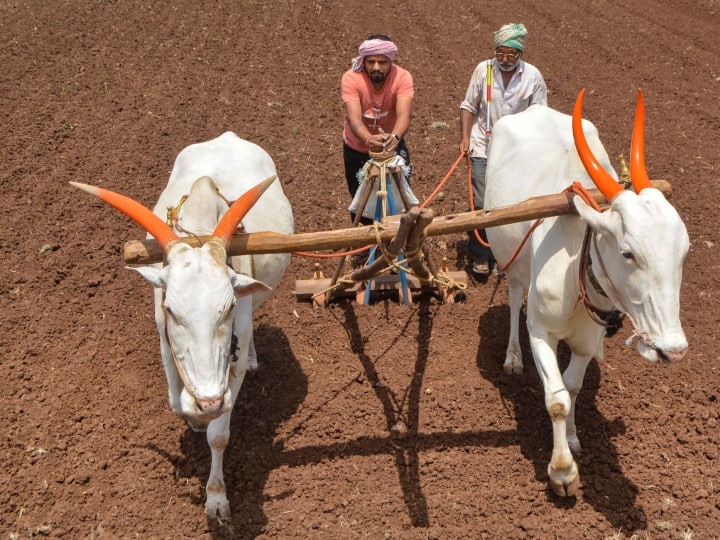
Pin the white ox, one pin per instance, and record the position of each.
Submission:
(204, 301)
(636, 252)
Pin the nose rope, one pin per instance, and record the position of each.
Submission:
(638, 334)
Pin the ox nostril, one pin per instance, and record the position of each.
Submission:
(672, 356)
(676, 356)
(209, 406)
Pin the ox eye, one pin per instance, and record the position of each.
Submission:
(628, 255)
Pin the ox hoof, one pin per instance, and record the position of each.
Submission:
(218, 511)
(513, 369)
(574, 444)
(565, 484)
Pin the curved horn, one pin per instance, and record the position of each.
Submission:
(605, 183)
(638, 172)
(135, 211)
(224, 230)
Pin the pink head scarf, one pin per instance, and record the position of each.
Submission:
(371, 47)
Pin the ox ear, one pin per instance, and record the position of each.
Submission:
(600, 221)
(245, 285)
(154, 275)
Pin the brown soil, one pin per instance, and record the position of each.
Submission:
(378, 421)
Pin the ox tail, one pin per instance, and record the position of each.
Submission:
(602, 179)
(638, 172)
(229, 222)
(135, 211)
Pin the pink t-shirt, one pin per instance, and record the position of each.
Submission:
(378, 108)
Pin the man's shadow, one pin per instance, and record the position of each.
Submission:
(268, 396)
(603, 484)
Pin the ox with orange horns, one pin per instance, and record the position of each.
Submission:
(204, 300)
(582, 273)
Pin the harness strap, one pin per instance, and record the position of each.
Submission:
(610, 319)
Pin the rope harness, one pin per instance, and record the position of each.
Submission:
(173, 220)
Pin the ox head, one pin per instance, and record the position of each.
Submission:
(203, 300)
(641, 245)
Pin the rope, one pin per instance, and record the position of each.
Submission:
(443, 181)
(472, 203)
(340, 283)
(639, 334)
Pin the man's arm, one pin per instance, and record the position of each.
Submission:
(403, 110)
(471, 105)
(375, 142)
(539, 92)
(466, 122)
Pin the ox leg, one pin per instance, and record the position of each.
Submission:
(217, 505)
(562, 469)
(252, 355)
(513, 356)
(573, 379)
(239, 330)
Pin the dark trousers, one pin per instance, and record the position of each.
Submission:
(355, 161)
(475, 250)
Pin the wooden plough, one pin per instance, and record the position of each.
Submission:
(383, 232)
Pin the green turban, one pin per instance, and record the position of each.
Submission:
(511, 35)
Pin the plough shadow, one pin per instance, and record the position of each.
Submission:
(405, 446)
(603, 484)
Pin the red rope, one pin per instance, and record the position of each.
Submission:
(444, 180)
(472, 202)
(575, 187)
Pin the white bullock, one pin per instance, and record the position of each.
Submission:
(635, 252)
(204, 301)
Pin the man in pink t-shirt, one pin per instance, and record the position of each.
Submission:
(378, 96)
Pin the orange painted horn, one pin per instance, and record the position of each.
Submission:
(229, 222)
(135, 211)
(638, 172)
(605, 183)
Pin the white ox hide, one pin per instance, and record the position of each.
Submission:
(636, 255)
(204, 302)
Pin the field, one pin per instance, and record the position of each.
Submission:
(379, 421)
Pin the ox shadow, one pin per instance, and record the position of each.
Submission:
(269, 396)
(603, 484)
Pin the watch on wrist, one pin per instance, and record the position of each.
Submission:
(396, 138)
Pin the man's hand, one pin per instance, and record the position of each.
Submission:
(384, 142)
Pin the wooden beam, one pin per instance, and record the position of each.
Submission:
(149, 251)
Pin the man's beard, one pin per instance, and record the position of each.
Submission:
(506, 66)
(377, 76)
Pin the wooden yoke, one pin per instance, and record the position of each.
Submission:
(150, 251)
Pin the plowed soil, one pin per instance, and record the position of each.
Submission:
(379, 421)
